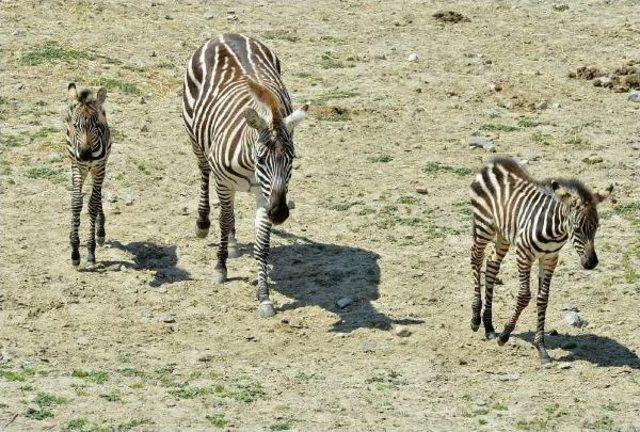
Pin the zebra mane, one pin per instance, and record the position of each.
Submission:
(573, 185)
(265, 96)
(85, 96)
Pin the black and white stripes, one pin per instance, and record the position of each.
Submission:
(511, 208)
(238, 115)
(89, 145)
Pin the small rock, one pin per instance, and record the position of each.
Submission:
(19, 86)
(495, 87)
(402, 331)
(509, 377)
(592, 160)
(116, 210)
(564, 365)
(206, 357)
(556, 106)
(603, 81)
(481, 142)
(574, 320)
(413, 57)
(146, 314)
(553, 332)
(344, 302)
(291, 204)
(634, 96)
(422, 190)
(113, 267)
(144, 128)
(128, 199)
(542, 105)
(232, 17)
(209, 15)
(560, 7)
(111, 197)
(153, 54)
(168, 17)
(168, 319)
(185, 210)
(142, 100)
(570, 308)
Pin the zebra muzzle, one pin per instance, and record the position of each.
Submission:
(278, 211)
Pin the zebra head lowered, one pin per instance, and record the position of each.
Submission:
(273, 149)
(87, 129)
(582, 217)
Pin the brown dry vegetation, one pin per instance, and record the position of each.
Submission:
(89, 351)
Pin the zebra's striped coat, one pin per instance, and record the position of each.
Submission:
(239, 117)
(89, 146)
(537, 218)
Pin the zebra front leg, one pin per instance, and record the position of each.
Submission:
(492, 269)
(233, 243)
(477, 258)
(524, 295)
(77, 180)
(261, 253)
(100, 234)
(203, 223)
(547, 267)
(95, 208)
(226, 197)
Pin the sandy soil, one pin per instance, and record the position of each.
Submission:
(90, 351)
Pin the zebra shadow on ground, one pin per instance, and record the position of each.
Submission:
(150, 256)
(598, 350)
(318, 274)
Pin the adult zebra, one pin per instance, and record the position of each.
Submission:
(89, 145)
(238, 114)
(511, 208)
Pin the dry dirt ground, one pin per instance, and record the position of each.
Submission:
(89, 351)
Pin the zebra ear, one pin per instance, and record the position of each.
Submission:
(294, 119)
(254, 120)
(562, 193)
(102, 95)
(72, 92)
(604, 195)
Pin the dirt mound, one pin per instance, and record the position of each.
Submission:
(450, 17)
(621, 80)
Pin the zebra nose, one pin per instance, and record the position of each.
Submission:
(278, 213)
(84, 154)
(590, 263)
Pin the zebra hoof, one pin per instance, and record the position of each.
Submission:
(233, 252)
(202, 232)
(219, 275)
(266, 310)
(90, 265)
(502, 339)
(100, 241)
(475, 325)
(490, 335)
(75, 262)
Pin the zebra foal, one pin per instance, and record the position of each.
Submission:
(89, 145)
(239, 118)
(538, 218)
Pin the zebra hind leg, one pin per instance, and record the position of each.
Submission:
(261, 254)
(477, 258)
(233, 243)
(524, 296)
(203, 223)
(226, 219)
(547, 266)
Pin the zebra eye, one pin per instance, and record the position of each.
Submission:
(261, 160)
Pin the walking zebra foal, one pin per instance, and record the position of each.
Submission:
(538, 218)
(238, 115)
(89, 144)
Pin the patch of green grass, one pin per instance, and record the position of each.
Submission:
(380, 159)
(47, 400)
(408, 200)
(500, 406)
(141, 167)
(52, 51)
(329, 61)
(498, 127)
(111, 397)
(480, 411)
(542, 138)
(630, 260)
(43, 173)
(44, 132)
(12, 376)
(217, 420)
(482, 421)
(247, 392)
(577, 140)
(281, 426)
(115, 84)
(187, 392)
(38, 414)
(464, 209)
(76, 424)
(97, 377)
(387, 379)
(11, 140)
(281, 34)
(323, 98)
(437, 168)
(603, 423)
(528, 122)
(531, 425)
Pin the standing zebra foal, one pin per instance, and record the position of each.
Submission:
(238, 115)
(511, 208)
(89, 144)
